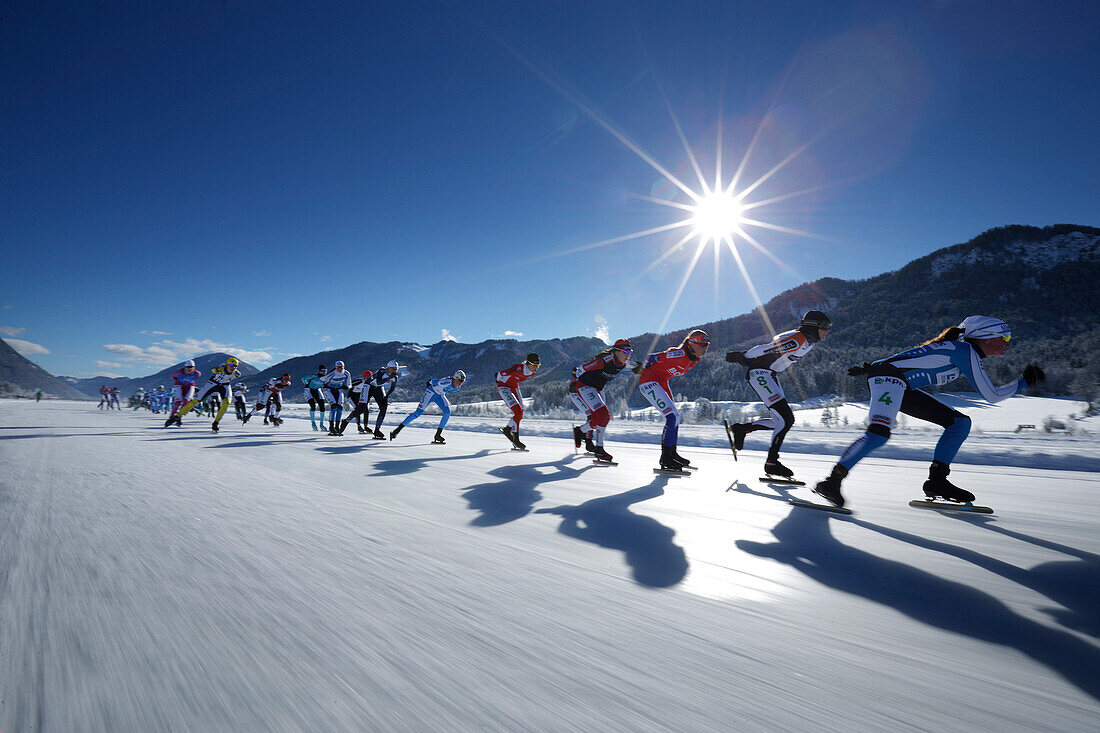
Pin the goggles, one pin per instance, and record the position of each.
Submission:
(628, 352)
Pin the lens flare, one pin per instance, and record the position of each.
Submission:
(716, 216)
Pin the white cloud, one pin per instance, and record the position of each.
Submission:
(155, 333)
(26, 348)
(109, 375)
(109, 365)
(513, 333)
(11, 331)
(325, 339)
(261, 334)
(167, 352)
(603, 331)
(445, 335)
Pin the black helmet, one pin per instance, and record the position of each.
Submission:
(533, 359)
(817, 319)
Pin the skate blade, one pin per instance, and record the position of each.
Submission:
(598, 462)
(950, 506)
(671, 472)
(821, 507)
(781, 480)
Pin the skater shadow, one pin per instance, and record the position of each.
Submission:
(804, 541)
(1073, 584)
(410, 465)
(654, 559)
(782, 493)
(342, 449)
(515, 495)
(67, 435)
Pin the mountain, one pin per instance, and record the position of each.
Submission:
(128, 386)
(1039, 279)
(20, 376)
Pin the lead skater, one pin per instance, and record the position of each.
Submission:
(895, 384)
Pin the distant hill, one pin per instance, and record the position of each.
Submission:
(21, 376)
(128, 386)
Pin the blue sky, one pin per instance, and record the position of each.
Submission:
(278, 178)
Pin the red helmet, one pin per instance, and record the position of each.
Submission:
(622, 345)
(367, 374)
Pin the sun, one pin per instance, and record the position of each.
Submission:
(716, 216)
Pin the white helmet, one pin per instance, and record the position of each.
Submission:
(338, 364)
(985, 327)
(189, 362)
(393, 364)
(460, 376)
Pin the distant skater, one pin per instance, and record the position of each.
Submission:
(508, 381)
(436, 392)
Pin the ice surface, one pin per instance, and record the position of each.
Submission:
(270, 579)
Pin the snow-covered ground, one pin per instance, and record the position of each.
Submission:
(281, 580)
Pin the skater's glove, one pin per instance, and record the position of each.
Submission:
(636, 367)
(736, 357)
(1033, 375)
(859, 371)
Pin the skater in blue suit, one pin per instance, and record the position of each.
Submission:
(437, 391)
(896, 384)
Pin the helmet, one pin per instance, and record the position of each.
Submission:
(286, 375)
(338, 364)
(232, 360)
(533, 359)
(459, 376)
(622, 345)
(817, 319)
(393, 364)
(985, 327)
(189, 363)
(367, 374)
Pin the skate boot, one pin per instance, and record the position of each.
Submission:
(343, 426)
(578, 437)
(830, 487)
(245, 419)
(169, 421)
(602, 455)
(677, 458)
(516, 441)
(937, 485)
(378, 435)
(438, 436)
(507, 431)
(739, 431)
(267, 421)
(668, 460)
(214, 426)
(395, 431)
(362, 429)
(589, 446)
(773, 467)
(276, 421)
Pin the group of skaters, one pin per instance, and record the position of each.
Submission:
(108, 398)
(896, 384)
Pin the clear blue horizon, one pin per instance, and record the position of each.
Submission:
(276, 179)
